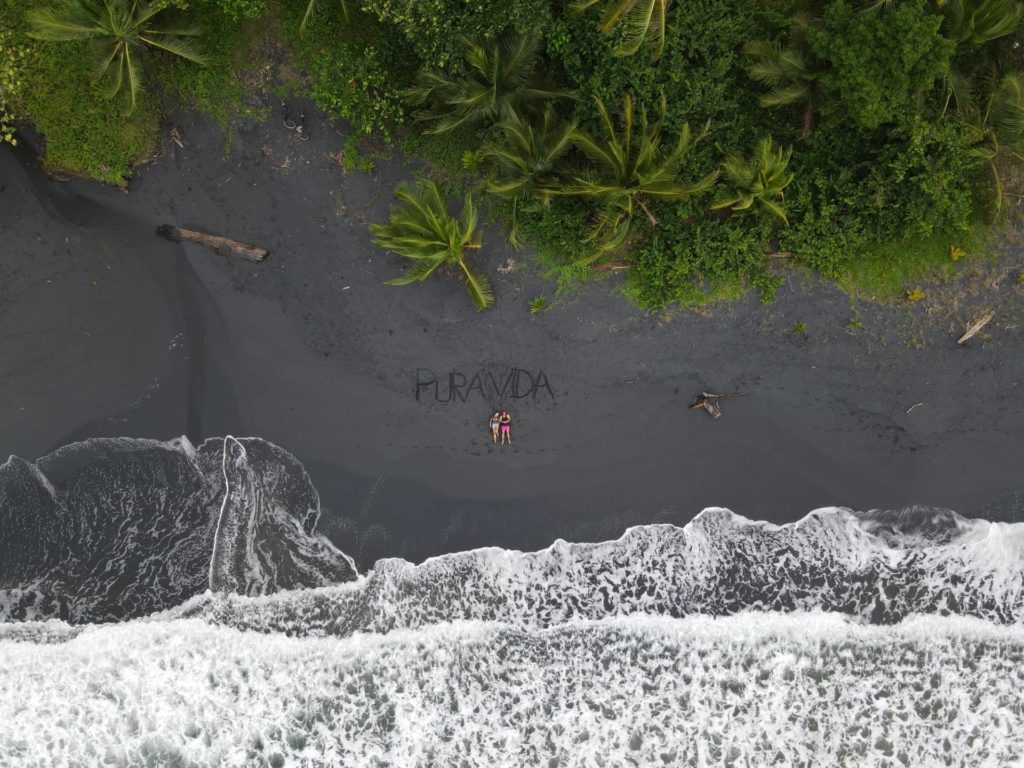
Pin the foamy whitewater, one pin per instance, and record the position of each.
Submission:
(168, 604)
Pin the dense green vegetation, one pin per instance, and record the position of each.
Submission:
(92, 128)
(120, 30)
(690, 139)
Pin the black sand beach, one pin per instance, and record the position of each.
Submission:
(108, 330)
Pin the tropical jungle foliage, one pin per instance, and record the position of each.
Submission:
(121, 29)
(688, 140)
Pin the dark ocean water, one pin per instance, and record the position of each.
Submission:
(170, 604)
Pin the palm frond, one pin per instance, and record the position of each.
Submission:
(502, 79)
(68, 23)
(134, 76)
(186, 49)
(980, 21)
(643, 23)
(478, 287)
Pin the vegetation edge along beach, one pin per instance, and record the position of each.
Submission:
(701, 145)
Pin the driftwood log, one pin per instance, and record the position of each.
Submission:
(976, 325)
(612, 266)
(225, 246)
(709, 402)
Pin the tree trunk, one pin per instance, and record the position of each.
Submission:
(808, 119)
(223, 245)
(650, 216)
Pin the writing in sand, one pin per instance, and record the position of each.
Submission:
(488, 385)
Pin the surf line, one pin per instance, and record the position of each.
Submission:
(457, 387)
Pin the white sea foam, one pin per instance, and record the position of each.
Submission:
(767, 689)
(874, 567)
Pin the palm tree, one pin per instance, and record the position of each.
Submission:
(643, 23)
(123, 28)
(502, 80)
(979, 21)
(523, 157)
(995, 134)
(761, 179)
(422, 229)
(632, 167)
(791, 70)
(311, 8)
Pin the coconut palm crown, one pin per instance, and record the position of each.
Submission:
(979, 21)
(522, 158)
(761, 179)
(642, 22)
(632, 166)
(421, 229)
(791, 71)
(502, 80)
(122, 29)
(995, 132)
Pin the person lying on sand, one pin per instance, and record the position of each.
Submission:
(506, 427)
(494, 426)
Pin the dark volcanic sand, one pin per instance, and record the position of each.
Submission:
(107, 330)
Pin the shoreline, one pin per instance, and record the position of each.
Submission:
(134, 336)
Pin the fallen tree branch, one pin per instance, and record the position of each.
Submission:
(225, 246)
(976, 325)
(610, 266)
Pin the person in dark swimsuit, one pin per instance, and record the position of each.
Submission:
(506, 427)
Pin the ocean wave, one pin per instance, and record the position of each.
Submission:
(878, 567)
(751, 689)
(110, 529)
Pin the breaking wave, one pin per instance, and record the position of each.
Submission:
(246, 638)
(878, 568)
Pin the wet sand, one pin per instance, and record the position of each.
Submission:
(106, 330)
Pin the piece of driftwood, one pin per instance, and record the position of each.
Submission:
(709, 402)
(611, 266)
(225, 246)
(976, 325)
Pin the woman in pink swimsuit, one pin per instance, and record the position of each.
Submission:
(506, 427)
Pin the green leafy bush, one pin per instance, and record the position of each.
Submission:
(433, 29)
(881, 62)
(691, 265)
(358, 70)
(239, 10)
